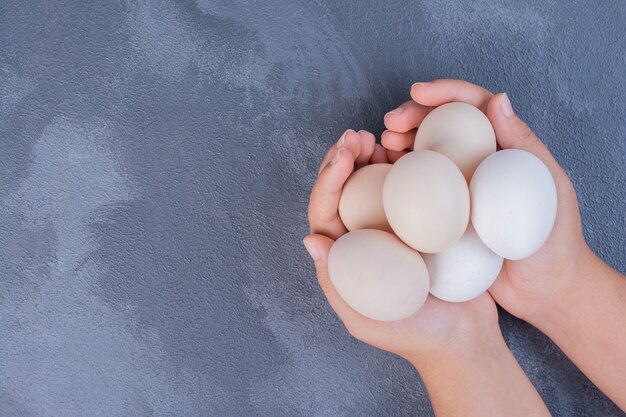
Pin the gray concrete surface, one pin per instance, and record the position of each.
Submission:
(155, 164)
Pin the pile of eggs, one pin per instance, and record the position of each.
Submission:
(441, 219)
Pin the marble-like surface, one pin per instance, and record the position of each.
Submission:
(155, 164)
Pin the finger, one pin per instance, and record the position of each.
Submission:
(512, 132)
(379, 156)
(439, 92)
(324, 203)
(503, 293)
(395, 141)
(393, 156)
(406, 117)
(350, 140)
(368, 144)
(318, 247)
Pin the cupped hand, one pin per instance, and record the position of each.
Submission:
(525, 287)
(438, 327)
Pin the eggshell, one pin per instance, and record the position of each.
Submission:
(377, 275)
(426, 201)
(361, 202)
(513, 203)
(459, 131)
(463, 271)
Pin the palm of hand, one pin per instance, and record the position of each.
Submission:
(524, 286)
(438, 325)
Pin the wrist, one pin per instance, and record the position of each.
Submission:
(474, 341)
(586, 282)
(586, 323)
(484, 379)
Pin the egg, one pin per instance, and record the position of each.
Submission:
(378, 275)
(361, 202)
(459, 131)
(463, 271)
(513, 203)
(426, 201)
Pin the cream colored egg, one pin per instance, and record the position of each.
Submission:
(378, 275)
(463, 271)
(426, 201)
(514, 203)
(361, 202)
(459, 131)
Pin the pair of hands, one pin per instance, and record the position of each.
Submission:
(528, 288)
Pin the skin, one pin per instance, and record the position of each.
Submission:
(564, 289)
(456, 347)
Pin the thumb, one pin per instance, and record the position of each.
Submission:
(318, 247)
(513, 133)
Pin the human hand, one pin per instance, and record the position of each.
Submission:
(526, 287)
(438, 328)
(457, 348)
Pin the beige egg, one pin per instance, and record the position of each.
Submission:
(378, 275)
(426, 201)
(459, 131)
(361, 202)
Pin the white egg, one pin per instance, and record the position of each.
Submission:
(378, 275)
(426, 201)
(459, 131)
(361, 202)
(463, 271)
(513, 203)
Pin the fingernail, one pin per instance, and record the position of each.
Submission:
(399, 110)
(416, 84)
(312, 249)
(342, 139)
(505, 106)
(336, 157)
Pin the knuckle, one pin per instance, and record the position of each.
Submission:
(526, 135)
(324, 282)
(529, 136)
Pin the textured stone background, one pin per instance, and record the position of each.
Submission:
(155, 164)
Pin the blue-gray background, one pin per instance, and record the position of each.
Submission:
(155, 164)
